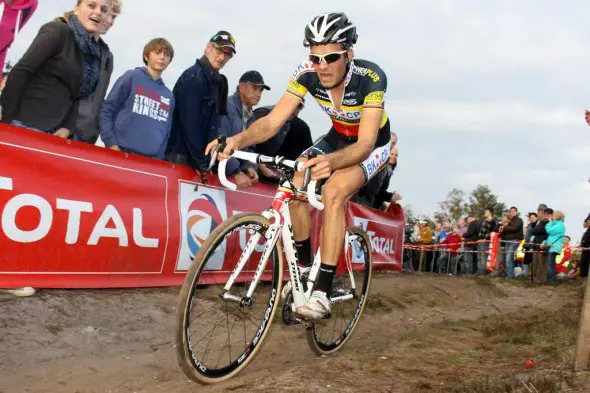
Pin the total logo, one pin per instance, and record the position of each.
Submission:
(380, 245)
(110, 223)
(201, 212)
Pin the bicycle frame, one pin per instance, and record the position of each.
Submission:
(280, 215)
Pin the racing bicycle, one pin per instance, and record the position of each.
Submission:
(222, 322)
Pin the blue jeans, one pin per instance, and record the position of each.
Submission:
(469, 260)
(551, 266)
(23, 125)
(482, 257)
(510, 251)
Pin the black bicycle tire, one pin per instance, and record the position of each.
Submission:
(322, 349)
(184, 353)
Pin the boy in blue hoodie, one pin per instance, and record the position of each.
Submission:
(137, 115)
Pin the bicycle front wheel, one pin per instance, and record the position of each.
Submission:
(349, 295)
(219, 332)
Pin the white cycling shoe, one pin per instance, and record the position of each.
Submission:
(317, 307)
(287, 287)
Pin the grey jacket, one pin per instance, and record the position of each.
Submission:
(89, 109)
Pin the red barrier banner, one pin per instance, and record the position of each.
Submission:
(79, 216)
(493, 251)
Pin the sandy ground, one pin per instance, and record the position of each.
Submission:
(123, 340)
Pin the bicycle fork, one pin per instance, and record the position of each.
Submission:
(272, 236)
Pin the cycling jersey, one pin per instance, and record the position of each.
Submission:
(364, 87)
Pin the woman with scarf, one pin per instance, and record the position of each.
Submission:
(60, 68)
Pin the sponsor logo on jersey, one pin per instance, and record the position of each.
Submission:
(366, 72)
(374, 98)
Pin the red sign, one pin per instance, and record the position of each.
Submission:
(74, 215)
(493, 252)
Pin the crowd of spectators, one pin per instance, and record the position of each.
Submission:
(541, 251)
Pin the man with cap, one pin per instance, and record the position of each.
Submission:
(240, 116)
(200, 95)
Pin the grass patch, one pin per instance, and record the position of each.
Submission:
(476, 350)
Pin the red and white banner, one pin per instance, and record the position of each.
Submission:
(78, 216)
(493, 252)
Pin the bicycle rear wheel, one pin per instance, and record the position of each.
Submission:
(328, 336)
(218, 335)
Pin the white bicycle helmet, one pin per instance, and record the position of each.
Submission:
(330, 28)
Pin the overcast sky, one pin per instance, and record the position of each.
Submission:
(479, 92)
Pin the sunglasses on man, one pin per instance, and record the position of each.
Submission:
(329, 58)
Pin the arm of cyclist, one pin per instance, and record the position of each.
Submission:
(324, 165)
(261, 130)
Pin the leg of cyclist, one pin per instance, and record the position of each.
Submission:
(339, 188)
(301, 220)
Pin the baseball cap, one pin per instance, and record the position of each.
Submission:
(253, 77)
(542, 206)
(224, 40)
(548, 210)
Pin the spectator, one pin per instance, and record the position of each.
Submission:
(528, 256)
(538, 269)
(201, 97)
(437, 231)
(585, 260)
(290, 142)
(425, 234)
(136, 117)
(562, 261)
(87, 127)
(471, 235)
(239, 117)
(425, 239)
(488, 225)
(60, 68)
(447, 261)
(512, 234)
(15, 13)
(462, 226)
(445, 232)
(587, 117)
(556, 231)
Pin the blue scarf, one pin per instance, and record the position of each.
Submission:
(91, 54)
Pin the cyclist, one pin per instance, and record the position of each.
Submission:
(351, 92)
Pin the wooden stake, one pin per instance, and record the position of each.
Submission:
(582, 355)
(421, 264)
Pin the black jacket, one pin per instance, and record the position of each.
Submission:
(42, 87)
(472, 232)
(513, 231)
(200, 96)
(586, 244)
(538, 232)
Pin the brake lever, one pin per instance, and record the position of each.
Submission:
(307, 172)
(221, 144)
